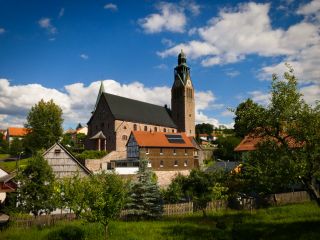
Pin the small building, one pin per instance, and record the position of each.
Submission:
(15, 132)
(165, 151)
(63, 163)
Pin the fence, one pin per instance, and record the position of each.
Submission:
(291, 197)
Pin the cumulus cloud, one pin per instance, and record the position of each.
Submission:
(46, 24)
(171, 18)
(77, 100)
(111, 6)
(84, 56)
(246, 30)
(2, 30)
(310, 10)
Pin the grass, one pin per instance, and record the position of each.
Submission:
(300, 221)
(4, 156)
(10, 166)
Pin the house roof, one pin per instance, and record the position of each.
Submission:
(99, 135)
(17, 132)
(136, 111)
(159, 139)
(71, 155)
(250, 141)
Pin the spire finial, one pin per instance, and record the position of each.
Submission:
(182, 59)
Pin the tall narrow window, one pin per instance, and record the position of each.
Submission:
(147, 150)
(155, 129)
(185, 151)
(161, 163)
(176, 163)
(161, 151)
(174, 152)
(185, 163)
(145, 128)
(134, 127)
(165, 130)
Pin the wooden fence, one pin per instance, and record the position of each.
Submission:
(291, 197)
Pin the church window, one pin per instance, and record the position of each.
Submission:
(135, 127)
(165, 130)
(176, 163)
(161, 163)
(145, 128)
(155, 129)
(124, 137)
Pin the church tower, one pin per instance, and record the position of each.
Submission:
(182, 97)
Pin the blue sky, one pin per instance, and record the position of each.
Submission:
(63, 49)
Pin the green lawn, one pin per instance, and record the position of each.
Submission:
(287, 222)
(4, 156)
(11, 166)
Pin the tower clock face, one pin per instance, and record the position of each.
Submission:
(188, 83)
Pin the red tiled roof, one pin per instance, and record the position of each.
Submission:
(17, 132)
(158, 139)
(250, 141)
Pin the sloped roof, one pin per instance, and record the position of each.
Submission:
(250, 141)
(99, 135)
(17, 132)
(159, 139)
(136, 111)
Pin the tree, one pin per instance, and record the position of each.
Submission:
(174, 193)
(292, 129)
(16, 147)
(243, 124)
(105, 197)
(145, 197)
(204, 128)
(226, 147)
(36, 187)
(44, 122)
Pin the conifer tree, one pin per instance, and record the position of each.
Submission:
(145, 198)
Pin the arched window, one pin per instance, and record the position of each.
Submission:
(145, 128)
(124, 137)
(134, 127)
(155, 129)
(165, 130)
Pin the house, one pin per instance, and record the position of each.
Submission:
(115, 117)
(165, 151)
(63, 163)
(15, 132)
(6, 184)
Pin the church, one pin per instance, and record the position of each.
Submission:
(115, 117)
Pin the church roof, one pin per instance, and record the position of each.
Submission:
(136, 111)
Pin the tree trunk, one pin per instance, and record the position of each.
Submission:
(106, 232)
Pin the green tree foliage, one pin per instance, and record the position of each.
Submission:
(293, 127)
(204, 128)
(145, 197)
(72, 193)
(44, 122)
(67, 140)
(91, 154)
(174, 193)
(16, 147)
(226, 147)
(243, 124)
(36, 187)
(105, 198)
(4, 145)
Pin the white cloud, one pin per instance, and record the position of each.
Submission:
(77, 100)
(167, 42)
(227, 113)
(61, 13)
(310, 8)
(84, 56)
(232, 73)
(311, 93)
(46, 24)
(260, 97)
(191, 6)
(2, 30)
(111, 6)
(245, 30)
(171, 18)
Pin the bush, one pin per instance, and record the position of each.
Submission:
(91, 154)
(69, 232)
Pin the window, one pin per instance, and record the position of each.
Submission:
(147, 150)
(135, 127)
(175, 163)
(149, 164)
(124, 137)
(165, 130)
(161, 163)
(174, 152)
(145, 128)
(185, 163)
(185, 151)
(161, 151)
(57, 151)
(173, 130)
(124, 127)
(155, 129)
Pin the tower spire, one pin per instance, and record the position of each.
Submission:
(101, 91)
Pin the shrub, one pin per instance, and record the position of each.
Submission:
(68, 232)
(91, 154)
